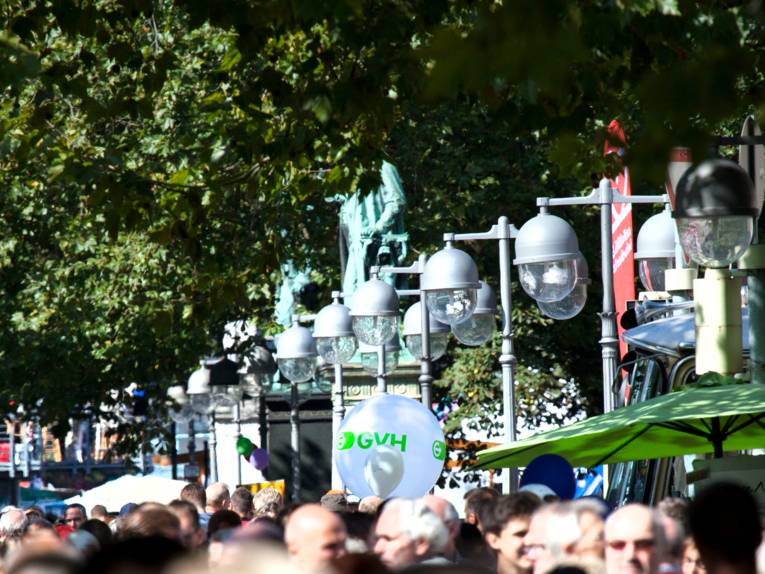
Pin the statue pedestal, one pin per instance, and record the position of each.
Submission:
(360, 385)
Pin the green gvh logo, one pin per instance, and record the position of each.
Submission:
(366, 440)
(439, 450)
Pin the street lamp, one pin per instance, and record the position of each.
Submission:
(450, 281)
(567, 249)
(438, 331)
(574, 302)
(656, 250)
(336, 344)
(546, 252)
(374, 312)
(296, 359)
(479, 328)
(715, 209)
(198, 390)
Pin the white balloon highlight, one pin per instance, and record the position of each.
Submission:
(383, 470)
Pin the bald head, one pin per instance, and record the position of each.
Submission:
(314, 536)
(634, 540)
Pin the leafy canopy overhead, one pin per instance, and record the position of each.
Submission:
(161, 158)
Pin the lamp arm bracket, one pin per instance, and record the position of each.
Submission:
(297, 319)
(414, 268)
(497, 231)
(408, 292)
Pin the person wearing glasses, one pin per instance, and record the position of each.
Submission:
(635, 542)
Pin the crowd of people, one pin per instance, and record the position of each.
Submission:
(213, 530)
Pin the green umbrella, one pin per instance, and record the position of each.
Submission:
(692, 421)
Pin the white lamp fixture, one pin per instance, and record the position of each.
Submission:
(374, 312)
(450, 281)
(546, 249)
(479, 328)
(439, 334)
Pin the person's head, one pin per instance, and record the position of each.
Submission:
(634, 540)
(195, 494)
(334, 501)
(39, 528)
(241, 503)
(150, 520)
(34, 512)
(505, 527)
(99, 512)
(591, 525)
(136, 555)
(222, 520)
(314, 536)
(691, 562)
(100, 530)
(725, 524)
(370, 504)
(267, 502)
(75, 515)
(475, 502)
(13, 522)
(408, 532)
(448, 514)
(192, 535)
(218, 497)
(672, 512)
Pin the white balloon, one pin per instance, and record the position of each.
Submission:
(382, 425)
(383, 470)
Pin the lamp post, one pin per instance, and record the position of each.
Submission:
(715, 209)
(181, 413)
(198, 389)
(502, 232)
(562, 270)
(374, 315)
(336, 344)
(424, 352)
(296, 359)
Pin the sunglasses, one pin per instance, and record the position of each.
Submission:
(641, 544)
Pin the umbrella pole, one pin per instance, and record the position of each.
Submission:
(717, 437)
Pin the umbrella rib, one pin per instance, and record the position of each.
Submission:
(621, 446)
(683, 427)
(752, 419)
(729, 423)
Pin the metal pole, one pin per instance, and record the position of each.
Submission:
(382, 382)
(338, 414)
(262, 419)
(507, 358)
(609, 340)
(12, 467)
(237, 436)
(174, 452)
(213, 450)
(295, 441)
(426, 371)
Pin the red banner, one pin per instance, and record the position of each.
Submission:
(621, 236)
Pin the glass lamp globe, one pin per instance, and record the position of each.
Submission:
(438, 344)
(226, 396)
(715, 241)
(200, 403)
(369, 362)
(548, 281)
(336, 350)
(451, 306)
(479, 327)
(652, 270)
(375, 330)
(476, 330)
(298, 370)
(182, 415)
(574, 302)
(374, 312)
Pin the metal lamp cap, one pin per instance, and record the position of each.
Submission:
(413, 322)
(375, 298)
(486, 303)
(223, 372)
(715, 188)
(449, 268)
(334, 320)
(295, 343)
(199, 381)
(391, 346)
(656, 237)
(545, 238)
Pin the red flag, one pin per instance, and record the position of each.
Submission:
(621, 235)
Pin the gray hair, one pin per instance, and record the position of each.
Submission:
(267, 502)
(13, 522)
(419, 522)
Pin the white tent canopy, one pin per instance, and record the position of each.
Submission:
(128, 488)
